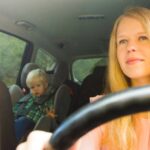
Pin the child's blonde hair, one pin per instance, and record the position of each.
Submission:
(37, 74)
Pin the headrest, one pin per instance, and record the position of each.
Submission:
(61, 73)
(26, 69)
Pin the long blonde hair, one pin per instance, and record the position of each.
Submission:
(120, 134)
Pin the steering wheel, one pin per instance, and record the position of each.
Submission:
(109, 107)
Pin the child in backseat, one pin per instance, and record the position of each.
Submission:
(31, 107)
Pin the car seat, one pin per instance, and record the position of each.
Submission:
(26, 69)
(66, 101)
(60, 74)
(62, 103)
(93, 84)
(17, 92)
(7, 131)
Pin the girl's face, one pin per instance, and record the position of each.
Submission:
(133, 51)
(37, 88)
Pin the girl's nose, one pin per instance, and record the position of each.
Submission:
(132, 46)
(131, 50)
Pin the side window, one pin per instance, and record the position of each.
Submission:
(44, 59)
(82, 67)
(11, 52)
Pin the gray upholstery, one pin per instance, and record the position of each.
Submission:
(7, 133)
(16, 93)
(60, 75)
(26, 69)
(62, 98)
(62, 102)
(46, 123)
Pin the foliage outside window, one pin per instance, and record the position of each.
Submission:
(44, 59)
(11, 52)
(83, 67)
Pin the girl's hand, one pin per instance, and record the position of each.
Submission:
(95, 98)
(37, 140)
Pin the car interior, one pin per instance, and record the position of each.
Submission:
(66, 38)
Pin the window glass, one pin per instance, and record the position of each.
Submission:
(83, 67)
(44, 59)
(11, 52)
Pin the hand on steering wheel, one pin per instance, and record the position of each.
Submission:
(112, 106)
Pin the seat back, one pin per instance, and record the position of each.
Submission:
(75, 95)
(62, 103)
(93, 84)
(16, 93)
(62, 99)
(60, 74)
(7, 133)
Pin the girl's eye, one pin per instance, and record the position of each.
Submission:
(123, 41)
(143, 38)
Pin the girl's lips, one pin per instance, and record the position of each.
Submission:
(134, 60)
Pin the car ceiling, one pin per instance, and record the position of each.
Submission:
(67, 28)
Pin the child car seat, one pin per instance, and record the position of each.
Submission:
(17, 92)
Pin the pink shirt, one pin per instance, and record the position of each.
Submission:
(91, 141)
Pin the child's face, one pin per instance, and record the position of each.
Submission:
(38, 88)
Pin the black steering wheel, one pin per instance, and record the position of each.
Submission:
(109, 107)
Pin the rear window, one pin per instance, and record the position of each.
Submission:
(82, 67)
(45, 60)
